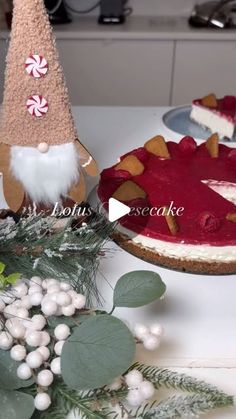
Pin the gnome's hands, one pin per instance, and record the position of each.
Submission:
(86, 160)
(12, 189)
(88, 164)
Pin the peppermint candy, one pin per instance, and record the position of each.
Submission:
(36, 66)
(37, 105)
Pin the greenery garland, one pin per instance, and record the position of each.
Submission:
(100, 347)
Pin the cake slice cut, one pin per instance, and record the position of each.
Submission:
(218, 115)
(198, 181)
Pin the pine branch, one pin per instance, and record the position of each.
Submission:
(34, 246)
(185, 407)
(90, 405)
(165, 378)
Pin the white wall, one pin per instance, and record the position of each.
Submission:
(146, 7)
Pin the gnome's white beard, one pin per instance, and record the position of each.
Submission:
(46, 177)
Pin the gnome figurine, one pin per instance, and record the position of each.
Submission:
(41, 158)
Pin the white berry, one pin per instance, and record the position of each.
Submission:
(133, 378)
(7, 298)
(34, 359)
(53, 289)
(63, 299)
(151, 342)
(6, 341)
(44, 284)
(49, 308)
(51, 281)
(36, 298)
(65, 286)
(62, 331)
(58, 347)
(72, 293)
(42, 401)
(16, 328)
(156, 329)
(36, 280)
(33, 338)
(79, 301)
(140, 330)
(26, 303)
(44, 338)
(20, 290)
(34, 289)
(45, 378)
(22, 313)
(18, 353)
(39, 322)
(10, 311)
(68, 311)
(134, 398)
(147, 389)
(24, 372)
(44, 351)
(56, 366)
(2, 305)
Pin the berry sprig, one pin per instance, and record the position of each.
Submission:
(26, 334)
(149, 336)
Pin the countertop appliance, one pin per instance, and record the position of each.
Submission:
(112, 11)
(57, 11)
(214, 14)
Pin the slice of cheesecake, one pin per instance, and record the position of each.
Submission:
(218, 115)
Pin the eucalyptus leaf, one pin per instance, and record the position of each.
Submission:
(98, 351)
(13, 278)
(74, 321)
(138, 288)
(8, 376)
(16, 405)
(2, 267)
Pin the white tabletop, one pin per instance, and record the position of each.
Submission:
(198, 312)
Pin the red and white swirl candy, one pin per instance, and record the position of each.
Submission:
(37, 105)
(36, 66)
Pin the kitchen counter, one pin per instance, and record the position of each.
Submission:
(150, 28)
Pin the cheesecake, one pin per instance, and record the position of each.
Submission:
(217, 115)
(182, 197)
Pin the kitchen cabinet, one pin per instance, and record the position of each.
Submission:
(202, 67)
(146, 62)
(117, 72)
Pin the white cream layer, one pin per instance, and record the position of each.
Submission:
(213, 121)
(203, 252)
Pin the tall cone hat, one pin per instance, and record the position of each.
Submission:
(37, 127)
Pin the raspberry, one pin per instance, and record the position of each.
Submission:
(229, 102)
(232, 155)
(187, 145)
(208, 222)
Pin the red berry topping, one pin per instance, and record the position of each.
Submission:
(111, 173)
(208, 222)
(232, 155)
(229, 102)
(187, 145)
(141, 153)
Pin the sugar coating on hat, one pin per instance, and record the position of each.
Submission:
(32, 36)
